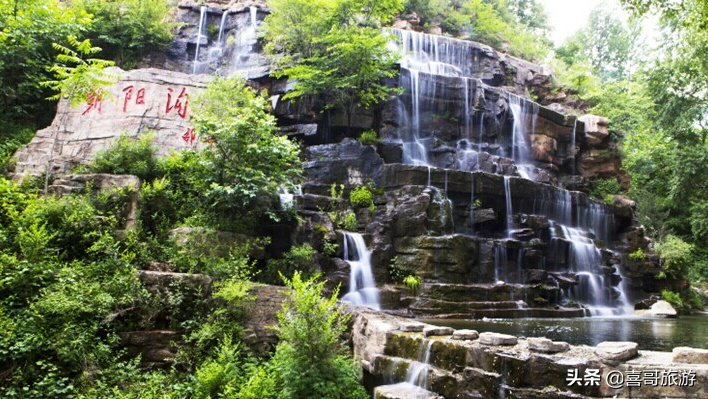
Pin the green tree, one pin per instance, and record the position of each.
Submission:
(605, 43)
(244, 161)
(29, 27)
(333, 49)
(310, 361)
(128, 30)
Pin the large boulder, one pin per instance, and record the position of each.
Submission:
(144, 100)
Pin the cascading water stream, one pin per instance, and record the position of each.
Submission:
(591, 222)
(362, 288)
(436, 68)
(217, 51)
(245, 44)
(520, 149)
(287, 198)
(509, 210)
(200, 35)
(418, 371)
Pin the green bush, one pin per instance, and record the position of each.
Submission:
(299, 259)
(12, 138)
(638, 255)
(72, 222)
(369, 137)
(127, 30)
(128, 156)
(674, 298)
(677, 256)
(310, 361)
(350, 223)
(413, 283)
(361, 197)
(602, 188)
(246, 161)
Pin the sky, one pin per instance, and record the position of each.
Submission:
(567, 16)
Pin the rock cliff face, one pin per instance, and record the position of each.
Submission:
(472, 176)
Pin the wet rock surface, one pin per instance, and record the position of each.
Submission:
(471, 369)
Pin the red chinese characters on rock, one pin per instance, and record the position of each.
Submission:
(139, 97)
(190, 136)
(177, 103)
(93, 102)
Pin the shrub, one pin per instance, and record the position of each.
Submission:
(128, 29)
(602, 188)
(350, 223)
(369, 137)
(676, 254)
(128, 156)
(72, 222)
(310, 361)
(246, 161)
(674, 298)
(361, 197)
(299, 259)
(413, 283)
(638, 255)
(395, 273)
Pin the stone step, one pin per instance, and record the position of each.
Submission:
(403, 390)
(559, 312)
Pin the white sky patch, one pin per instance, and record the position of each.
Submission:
(567, 16)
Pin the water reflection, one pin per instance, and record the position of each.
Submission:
(650, 334)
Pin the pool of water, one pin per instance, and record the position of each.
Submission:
(650, 334)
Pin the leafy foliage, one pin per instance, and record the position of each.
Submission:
(245, 161)
(299, 259)
(517, 26)
(29, 29)
(333, 49)
(83, 81)
(361, 197)
(310, 361)
(128, 156)
(128, 29)
(369, 137)
(413, 283)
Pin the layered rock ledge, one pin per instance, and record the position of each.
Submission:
(513, 367)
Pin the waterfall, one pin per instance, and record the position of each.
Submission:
(287, 198)
(217, 51)
(427, 58)
(509, 210)
(244, 44)
(586, 260)
(472, 203)
(520, 148)
(418, 371)
(481, 131)
(362, 288)
(500, 262)
(200, 35)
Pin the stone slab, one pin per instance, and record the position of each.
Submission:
(495, 339)
(465, 335)
(437, 331)
(690, 355)
(545, 345)
(615, 352)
